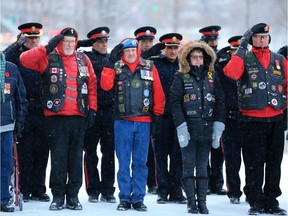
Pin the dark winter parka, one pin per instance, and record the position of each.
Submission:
(196, 91)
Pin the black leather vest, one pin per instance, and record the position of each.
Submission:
(259, 87)
(54, 84)
(199, 102)
(133, 91)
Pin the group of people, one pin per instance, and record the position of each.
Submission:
(149, 104)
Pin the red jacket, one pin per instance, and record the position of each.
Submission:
(107, 83)
(235, 69)
(37, 59)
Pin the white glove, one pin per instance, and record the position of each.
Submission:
(218, 128)
(183, 135)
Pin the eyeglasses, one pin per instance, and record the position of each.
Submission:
(69, 42)
(195, 57)
(259, 37)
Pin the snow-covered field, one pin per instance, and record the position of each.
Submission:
(217, 205)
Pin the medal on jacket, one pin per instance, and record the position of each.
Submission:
(146, 75)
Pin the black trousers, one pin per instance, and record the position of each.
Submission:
(262, 153)
(167, 148)
(232, 145)
(101, 133)
(151, 164)
(33, 152)
(66, 145)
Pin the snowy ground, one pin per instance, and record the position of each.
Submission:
(217, 205)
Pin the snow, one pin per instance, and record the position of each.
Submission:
(218, 205)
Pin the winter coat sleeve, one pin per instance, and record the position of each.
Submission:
(220, 110)
(235, 68)
(107, 78)
(92, 87)
(35, 59)
(176, 99)
(158, 94)
(21, 103)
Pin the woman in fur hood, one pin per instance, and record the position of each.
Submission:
(198, 110)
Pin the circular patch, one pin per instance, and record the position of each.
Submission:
(7, 74)
(273, 88)
(53, 78)
(57, 102)
(146, 102)
(53, 89)
(136, 83)
(49, 104)
(209, 97)
(274, 102)
(193, 97)
(262, 85)
(146, 93)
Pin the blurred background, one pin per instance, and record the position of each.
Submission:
(123, 17)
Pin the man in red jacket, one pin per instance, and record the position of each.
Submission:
(68, 96)
(262, 99)
(138, 94)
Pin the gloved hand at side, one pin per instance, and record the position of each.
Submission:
(19, 126)
(183, 135)
(218, 128)
(90, 119)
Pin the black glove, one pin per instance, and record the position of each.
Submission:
(53, 43)
(22, 39)
(85, 43)
(90, 119)
(241, 51)
(156, 125)
(19, 126)
(114, 55)
(153, 51)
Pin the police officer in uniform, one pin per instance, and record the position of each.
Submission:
(231, 138)
(262, 99)
(68, 96)
(210, 35)
(33, 148)
(145, 36)
(166, 143)
(103, 129)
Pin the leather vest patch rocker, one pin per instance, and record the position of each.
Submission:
(54, 84)
(199, 102)
(133, 91)
(259, 87)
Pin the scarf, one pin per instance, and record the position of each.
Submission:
(2, 76)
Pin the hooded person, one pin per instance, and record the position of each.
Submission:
(198, 110)
(137, 94)
(69, 99)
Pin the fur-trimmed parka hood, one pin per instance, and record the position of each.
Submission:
(184, 65)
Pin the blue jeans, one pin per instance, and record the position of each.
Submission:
(132, 139)
(6, 165)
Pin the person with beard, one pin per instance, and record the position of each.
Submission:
(33, 148)
(138, 94)
(68, 96)
(198, 109)
(262, 96)
(102, 131)
(210, 35)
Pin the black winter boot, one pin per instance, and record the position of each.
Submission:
(189, 188)
(202, 185)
